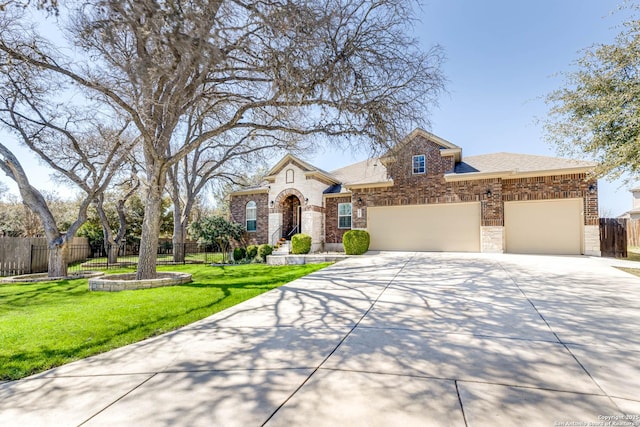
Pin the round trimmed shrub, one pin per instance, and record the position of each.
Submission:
(300, 244)
(356, 242)
(264, 250)
(239, 254)
(252, 251)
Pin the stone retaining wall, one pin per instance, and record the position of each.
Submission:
(126, 282)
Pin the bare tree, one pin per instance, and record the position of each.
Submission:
(226, 158)
(64, 136)
(340, 68)
(114, 237)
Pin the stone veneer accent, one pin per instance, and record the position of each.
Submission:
(592, 240)
(492, 239)
(127, 282)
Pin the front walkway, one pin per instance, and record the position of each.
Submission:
(395, 339)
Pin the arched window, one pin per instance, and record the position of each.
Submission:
(252, 215)
(290, 176)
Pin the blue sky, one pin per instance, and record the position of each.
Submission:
(503, 57)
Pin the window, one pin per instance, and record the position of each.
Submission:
(251, 216)
(418, 164)
(289, 176)
(344, 215)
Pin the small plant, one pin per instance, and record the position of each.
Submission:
(356, 242)
(239, 254)
(217, 229)
(264, 250)
(300, 244)
(252, 251)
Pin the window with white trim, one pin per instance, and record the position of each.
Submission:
(419, 164)
(251, 216)
(344, 215)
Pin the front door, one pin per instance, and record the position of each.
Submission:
(291, 216)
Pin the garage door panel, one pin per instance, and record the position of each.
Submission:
(450, 227)
(544, 227)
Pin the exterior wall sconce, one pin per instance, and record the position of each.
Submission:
(271, 203)
(306, 200)
(592, 188)
(488, 193)
(359, 200)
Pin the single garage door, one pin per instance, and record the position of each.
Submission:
(445, 227)
(544, 227)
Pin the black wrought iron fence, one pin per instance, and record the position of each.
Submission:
(101, 256)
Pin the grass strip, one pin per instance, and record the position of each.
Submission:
(48, 324)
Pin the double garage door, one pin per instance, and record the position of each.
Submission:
(446, 227)
(544, 227)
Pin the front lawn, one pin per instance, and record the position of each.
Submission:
(47, 324)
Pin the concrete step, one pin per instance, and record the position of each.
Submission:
(284, 249)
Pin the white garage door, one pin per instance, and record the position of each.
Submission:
(445, 227)
(544, 227)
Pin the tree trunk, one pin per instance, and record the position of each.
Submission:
(147, 257)
(58, 259)
(179, 235)
(112, 253)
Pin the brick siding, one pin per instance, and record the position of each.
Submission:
(434, 189)
(555, 187)
(238, 214)
(333, 234)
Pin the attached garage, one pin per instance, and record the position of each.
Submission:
(451, 227)
(544, 227)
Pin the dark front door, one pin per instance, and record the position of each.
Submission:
(291, 213)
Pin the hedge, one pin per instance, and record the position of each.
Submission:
(264, 250)
(252, 251)
(300, 244)
(356, 242)
(239, 254)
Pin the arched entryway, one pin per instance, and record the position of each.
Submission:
(291, 216)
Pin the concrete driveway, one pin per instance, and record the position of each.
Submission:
(392, 339)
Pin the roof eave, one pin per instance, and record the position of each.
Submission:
(322, 177)
(250, 191)
(368, 185)
(455, 152)
(514, 174)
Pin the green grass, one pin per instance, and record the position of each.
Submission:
(633, 254)
(47, 324)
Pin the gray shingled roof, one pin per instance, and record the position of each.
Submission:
(372, 171)
(365, 172)
(503, 162)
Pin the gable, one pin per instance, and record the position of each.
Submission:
(420, 157)
(418, 136)
(300, 168)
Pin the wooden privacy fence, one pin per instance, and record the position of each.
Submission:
(15, 254)
(613, 237)
(633, 232)
(25, 255)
